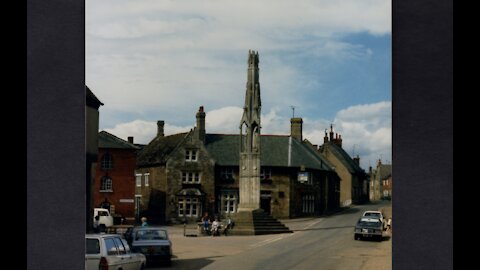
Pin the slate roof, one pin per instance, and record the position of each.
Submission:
(225, 150)
(343, 156)
(108, 140)
(157, 151)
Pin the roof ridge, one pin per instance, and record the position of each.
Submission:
(119, 139)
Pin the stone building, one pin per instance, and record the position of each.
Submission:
(387, 187)
(381, 172)
(114, 186)
(195, 172)
(353, 179)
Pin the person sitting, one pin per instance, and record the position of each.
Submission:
(216, 227)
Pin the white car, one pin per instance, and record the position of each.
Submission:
(111, 251)
(375, 214)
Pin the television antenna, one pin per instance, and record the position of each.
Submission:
(293, 110)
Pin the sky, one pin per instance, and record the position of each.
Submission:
(150, 60)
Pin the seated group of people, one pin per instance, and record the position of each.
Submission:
(216, 226)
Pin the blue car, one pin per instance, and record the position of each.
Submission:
(153, 242)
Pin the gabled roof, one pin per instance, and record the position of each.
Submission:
(157, 151)
(225, 150)
(343, 156)
(108, 140)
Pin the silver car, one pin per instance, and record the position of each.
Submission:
(111, 251)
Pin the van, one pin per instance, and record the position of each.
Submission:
(106, 220)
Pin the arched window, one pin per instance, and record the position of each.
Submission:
(107, 161)
(106, 184)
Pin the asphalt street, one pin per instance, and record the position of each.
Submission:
(317, 243)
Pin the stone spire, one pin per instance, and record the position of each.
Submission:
(249, 185)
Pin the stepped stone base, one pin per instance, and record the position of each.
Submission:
(256, 222)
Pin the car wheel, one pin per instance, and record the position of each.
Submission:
(102, 228)
(142, 267)
(355, 237)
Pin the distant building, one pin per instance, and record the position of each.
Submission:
(91, 131)
(353, 179)
(387, 187)
(380, 173)
(115, 180)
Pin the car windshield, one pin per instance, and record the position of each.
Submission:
(151, 235)
(369, 224)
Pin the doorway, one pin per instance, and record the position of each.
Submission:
(265, 199)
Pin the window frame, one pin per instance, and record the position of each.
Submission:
(146, 179)
(138, 180)
(191, 155)
(104, 184)
(107, 159)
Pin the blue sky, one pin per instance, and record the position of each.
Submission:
(150, 60)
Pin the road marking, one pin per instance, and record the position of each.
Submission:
(311, 224)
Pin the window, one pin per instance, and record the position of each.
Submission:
(146, 176)
(92, 246)
(191, 177)
(111, 247)
(191, 155)
(226, 173)
(106, 184)
(308, 204)
(138, 179)
(188, 206)
(107, 162)
(265, 173)
(121, 248)
(229, 202)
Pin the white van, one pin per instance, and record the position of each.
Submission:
(106, 220)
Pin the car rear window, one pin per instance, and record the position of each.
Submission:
(151, 235)
(92, 246)
(369, 224)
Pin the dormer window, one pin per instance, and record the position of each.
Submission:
(191, 155)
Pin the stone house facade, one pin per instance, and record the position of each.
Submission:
(381, 172)
(354, 180)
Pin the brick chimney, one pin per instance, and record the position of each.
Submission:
(325, 139)
(160, 124)
(130, 139)
(296, 128)
(200, 128)
(331, 132)
(379, 162)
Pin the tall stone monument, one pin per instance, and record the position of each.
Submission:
(249, 172)
(250, 219)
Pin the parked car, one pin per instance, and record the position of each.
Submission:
(153, 242)
(106, 220)
(112, 252)
(376, 214)
(370, 227)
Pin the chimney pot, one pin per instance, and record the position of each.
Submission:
(130, 139)
(160, 131)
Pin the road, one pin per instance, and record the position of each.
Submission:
(317, 243)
